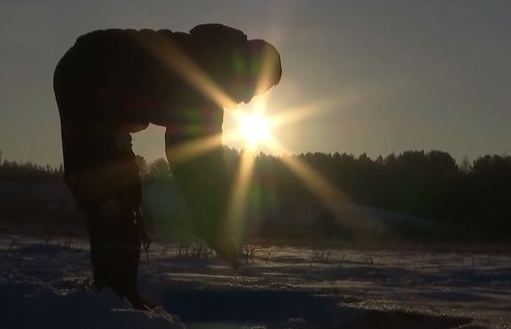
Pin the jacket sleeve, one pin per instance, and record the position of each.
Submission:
(202, 177)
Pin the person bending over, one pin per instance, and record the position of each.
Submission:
(114, 82)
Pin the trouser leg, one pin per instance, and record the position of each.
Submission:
(101, 172)
(115, 252)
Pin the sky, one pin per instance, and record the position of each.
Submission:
(378, 76)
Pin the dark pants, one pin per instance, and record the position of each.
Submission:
(102, 174)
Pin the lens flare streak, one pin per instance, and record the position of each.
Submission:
(178, 62)
(239, 196)
(255, 129)
(189, 150)
(336, 200)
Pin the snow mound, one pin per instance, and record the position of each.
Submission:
(26, 305)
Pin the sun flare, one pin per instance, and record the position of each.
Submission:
(254, 128)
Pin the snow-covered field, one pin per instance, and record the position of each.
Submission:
(46, 286)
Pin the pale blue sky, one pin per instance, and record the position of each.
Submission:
(405, 74)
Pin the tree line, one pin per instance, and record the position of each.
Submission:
(475, 196)
(472, 196)
(28, 171)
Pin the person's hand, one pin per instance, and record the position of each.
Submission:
(227, 251)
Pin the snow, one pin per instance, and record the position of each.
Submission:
(45, 284)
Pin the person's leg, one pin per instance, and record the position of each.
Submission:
(100, 168)
(101, 172)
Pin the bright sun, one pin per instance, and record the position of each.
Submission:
(254, 128)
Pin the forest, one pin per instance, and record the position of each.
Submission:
(471, 199)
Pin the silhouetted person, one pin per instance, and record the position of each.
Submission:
(115, 82)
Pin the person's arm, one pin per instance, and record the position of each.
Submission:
(203, 179)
